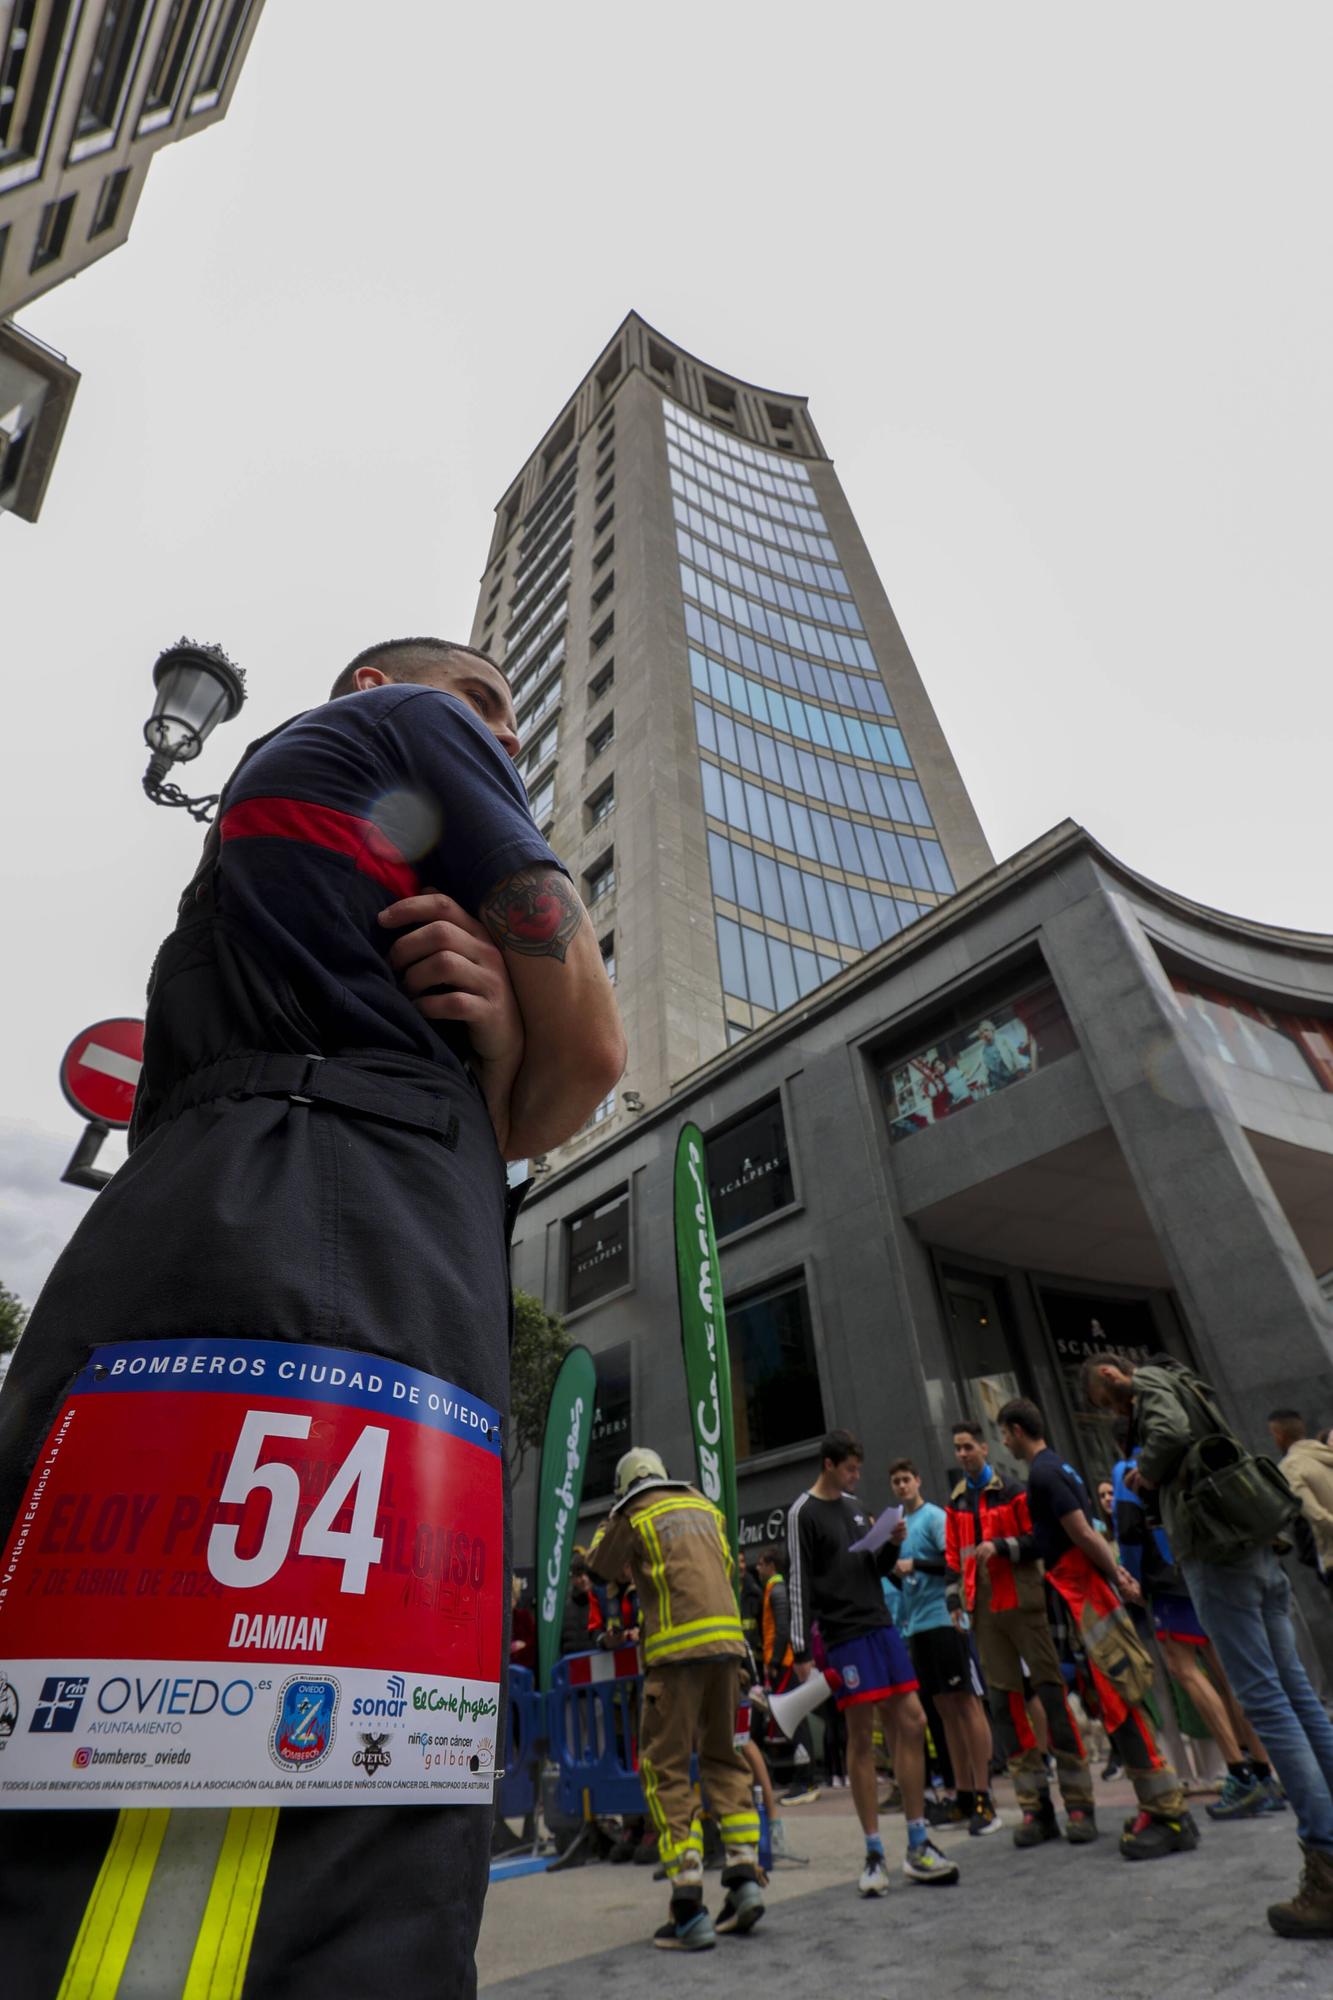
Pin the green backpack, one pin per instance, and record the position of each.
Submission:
(1226, 1502)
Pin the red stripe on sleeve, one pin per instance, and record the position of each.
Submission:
(322, 826)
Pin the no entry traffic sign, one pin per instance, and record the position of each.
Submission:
(99, 1072)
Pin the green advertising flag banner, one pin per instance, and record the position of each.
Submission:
(703, 1330)
(559, 1491)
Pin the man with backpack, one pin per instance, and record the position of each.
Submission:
(1222, 1510)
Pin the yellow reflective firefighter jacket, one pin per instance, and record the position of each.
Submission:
(675, 1542)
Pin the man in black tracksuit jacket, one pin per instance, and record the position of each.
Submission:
(318, 1157)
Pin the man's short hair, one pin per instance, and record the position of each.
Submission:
(971, 1427)
(836, 1446)
(1288, 1420)
(771, 1555)
(903, 1465)
(1023, 1415)
(392, 656)
(1089, 1379)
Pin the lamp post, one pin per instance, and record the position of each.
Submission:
(197, 687)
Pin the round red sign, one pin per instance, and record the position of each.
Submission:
(99, 1072)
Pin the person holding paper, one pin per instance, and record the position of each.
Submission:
(833, 1579)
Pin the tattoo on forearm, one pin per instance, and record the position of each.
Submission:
(536, 913)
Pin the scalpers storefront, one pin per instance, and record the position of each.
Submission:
(1066, 1111)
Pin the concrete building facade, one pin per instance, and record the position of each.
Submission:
(90, 91)
(1066, 1110)
(724, 729)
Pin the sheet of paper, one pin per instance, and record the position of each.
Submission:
(875, 1537)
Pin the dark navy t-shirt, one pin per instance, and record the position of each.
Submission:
(347, 809)
(1054, 1490)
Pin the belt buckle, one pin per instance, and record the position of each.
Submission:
(295, 1096)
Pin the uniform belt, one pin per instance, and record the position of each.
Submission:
(311, 1079)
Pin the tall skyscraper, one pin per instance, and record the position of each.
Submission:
(725, 734)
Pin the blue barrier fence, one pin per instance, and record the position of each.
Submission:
(593, 1731)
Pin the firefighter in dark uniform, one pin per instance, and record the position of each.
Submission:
(325, 1110)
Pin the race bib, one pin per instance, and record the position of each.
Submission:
(254, 1573)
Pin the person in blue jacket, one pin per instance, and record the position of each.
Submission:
(931, 1619)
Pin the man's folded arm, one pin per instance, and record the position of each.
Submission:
(574, 1044)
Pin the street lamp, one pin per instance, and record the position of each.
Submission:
(197, 687)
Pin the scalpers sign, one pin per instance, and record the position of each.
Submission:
(559, 1493)
(703, 1329)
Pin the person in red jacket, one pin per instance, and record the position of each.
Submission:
(991, 1552)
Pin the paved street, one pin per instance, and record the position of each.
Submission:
(1045, 1925)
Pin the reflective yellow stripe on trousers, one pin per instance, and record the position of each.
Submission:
(221, 1949)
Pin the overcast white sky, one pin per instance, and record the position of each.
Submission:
(1056, 279)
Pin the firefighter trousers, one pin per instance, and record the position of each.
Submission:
(689, 1704)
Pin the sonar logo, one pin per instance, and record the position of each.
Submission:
(302, 1734)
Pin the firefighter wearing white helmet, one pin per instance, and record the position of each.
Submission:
(675, 1542)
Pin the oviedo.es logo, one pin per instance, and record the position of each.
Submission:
(56, 1709)
(302, 1734)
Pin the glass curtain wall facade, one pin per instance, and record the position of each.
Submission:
(820, 842)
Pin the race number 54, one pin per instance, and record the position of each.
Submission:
(359, 1477)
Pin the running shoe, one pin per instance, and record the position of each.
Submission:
(874, 1876)
(695, 1935)
(799, 1794)
(926, 1864)
(1275, 1799)
(945, 1812)
(984, 1819)
(1152, 1839)
(1240, 1798)
(741, 1911)
(1111, 1768)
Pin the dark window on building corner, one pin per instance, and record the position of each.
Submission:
(4, 242)
(607, 550)
(609, 373)
(749, 1168)
(600, 879)
(602, 737)
(173, 51)
(603, 632)
(607, 947)
(602, 492)
(52, 231)
(601, 805)
(108, 67)
(775, 1392)
(603, 591)
(108, 202)
(598, 1249)
(604, 521)
(597, 686)
(660, 361)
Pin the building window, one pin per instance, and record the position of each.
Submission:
(4, 245)
(603, 591)
(610, 1436)
(661, 362)
(173, 52)
(598, 1247)
(600, 1112)
(109, 201)
(602, 738)
(51, 232)
(546, 746)
(601, 805)
(30, 47)
(1294, 1048)
(542, 803)
(602, 492)
(607, 550)
(600, 879)
(607, 947)
(603, 632)
(749, 1170)
(559, 444)
(609, 373)
(601, 683)
(1010, 1041)
(775, 1393)
(221, 53)
(109, 70)
(603, 521)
